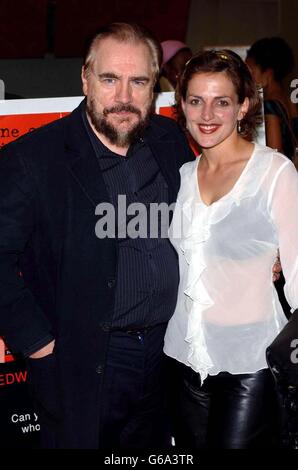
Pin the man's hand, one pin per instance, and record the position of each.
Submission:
(45, 351)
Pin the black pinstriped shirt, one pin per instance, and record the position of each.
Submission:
(147, 274)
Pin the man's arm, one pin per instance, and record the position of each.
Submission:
(23, 325)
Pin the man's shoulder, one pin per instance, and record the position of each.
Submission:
(166, 128)
(41, 138)
(166, 123)
(167, 131)
(41, 133)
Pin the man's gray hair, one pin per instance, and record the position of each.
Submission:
(127, 33)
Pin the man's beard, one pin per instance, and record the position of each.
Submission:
(116, 137)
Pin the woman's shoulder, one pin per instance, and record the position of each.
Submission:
(273, 107)
(283, 108)
(270, 153)
(277, 107)
(269, 159)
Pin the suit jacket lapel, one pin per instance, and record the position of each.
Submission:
(84, 167)
(164, 150)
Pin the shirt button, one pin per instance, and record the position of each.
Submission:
(99, 369)
(111, 283)
(105, 327)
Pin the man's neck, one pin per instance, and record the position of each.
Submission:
(114, 148)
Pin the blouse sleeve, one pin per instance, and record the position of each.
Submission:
(284, 211)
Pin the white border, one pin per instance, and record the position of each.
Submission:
(39, 105)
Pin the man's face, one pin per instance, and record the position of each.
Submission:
(119, 90)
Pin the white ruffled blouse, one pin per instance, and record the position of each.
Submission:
(227, 310)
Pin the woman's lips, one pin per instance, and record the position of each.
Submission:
(208, 128)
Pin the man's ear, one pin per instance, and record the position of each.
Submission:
(84, 80)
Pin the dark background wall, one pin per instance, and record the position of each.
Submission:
(241, 22)
(42, 41)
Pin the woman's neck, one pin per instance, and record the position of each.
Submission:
(227, 152)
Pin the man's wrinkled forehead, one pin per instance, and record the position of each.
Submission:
(111, 52)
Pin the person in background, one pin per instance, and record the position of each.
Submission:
(237, 205)
(89, 311)
(175, 54)
(270, 61)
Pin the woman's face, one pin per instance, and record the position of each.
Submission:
(211, 108)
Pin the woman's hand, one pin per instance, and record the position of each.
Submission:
(276, 269)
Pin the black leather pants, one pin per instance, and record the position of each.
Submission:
(226, 412)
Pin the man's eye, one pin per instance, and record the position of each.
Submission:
(109, 81)
(139, 83)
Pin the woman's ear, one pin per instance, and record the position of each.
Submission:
(243, 109)
(183, 105)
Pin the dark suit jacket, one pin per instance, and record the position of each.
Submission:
(50, 184)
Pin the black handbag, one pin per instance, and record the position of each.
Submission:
(282, 359)
(282, 354)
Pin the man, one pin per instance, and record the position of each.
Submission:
(89, 312)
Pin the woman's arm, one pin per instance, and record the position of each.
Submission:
(273, 132)
(284, 211)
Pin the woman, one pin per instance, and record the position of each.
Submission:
(175, 55)
(270, 61)
(235, 208)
